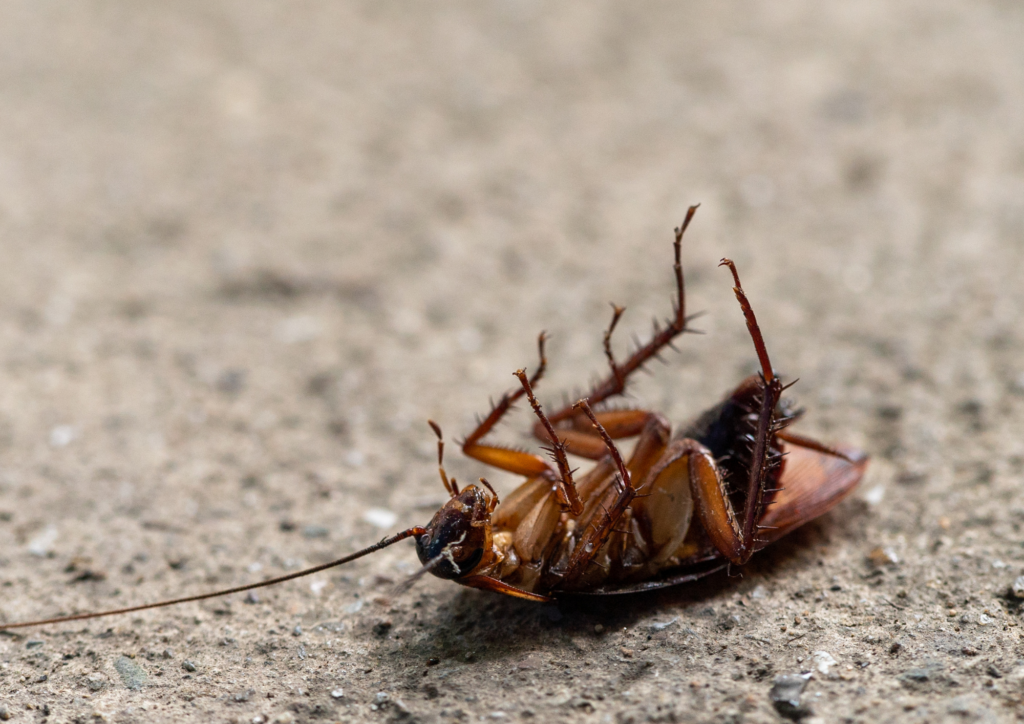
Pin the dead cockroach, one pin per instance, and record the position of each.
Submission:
(684, 505)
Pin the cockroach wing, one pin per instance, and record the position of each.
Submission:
(812, 483)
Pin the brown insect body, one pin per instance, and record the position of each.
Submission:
(526, 543)
(682, 506)
(658, 519)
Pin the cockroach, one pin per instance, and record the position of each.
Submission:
(683, 506)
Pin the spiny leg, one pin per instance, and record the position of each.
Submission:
(615, 383)
(620, 379)
(752, 327)
(593, 538)
(557, 449)
(766, 428)
(514, 461)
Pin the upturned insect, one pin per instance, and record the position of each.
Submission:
(682, 506)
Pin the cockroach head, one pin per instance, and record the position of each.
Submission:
(458, 534)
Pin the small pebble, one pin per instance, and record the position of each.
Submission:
(5, 713)
(598, 628)
(188, 665)
(381, 628)
(63, 435)
(42, 544)
(1018, 587)
(883, 556)
(823, 661)
(168, 654)
(297, 631)
(785, 695)
(337, 693)
(132, 675)
(918, 675)
(874, 495)
(33, 644)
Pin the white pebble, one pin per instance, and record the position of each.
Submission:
(42, 544)
(875, 495)
(1018, 587)
(823, 661)
(63, 435)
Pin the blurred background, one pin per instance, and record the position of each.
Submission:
(247, 249)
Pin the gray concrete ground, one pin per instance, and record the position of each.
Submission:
(249, 248)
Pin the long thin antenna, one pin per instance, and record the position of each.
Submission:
(203, 596)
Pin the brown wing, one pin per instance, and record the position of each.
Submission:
(812, 483)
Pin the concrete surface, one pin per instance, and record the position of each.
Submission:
(249, 248)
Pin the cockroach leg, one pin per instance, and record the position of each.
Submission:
(487, 583)
(752, 326)
(771, 392)
(557, 450)
(711, 501)
(794, 439)
(581, 439)
(597, 533)
(615, 383)
(514, 461)
(616, 370)
(584, 406)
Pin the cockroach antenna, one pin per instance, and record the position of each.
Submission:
(415, 531)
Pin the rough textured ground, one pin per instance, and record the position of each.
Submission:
(248, 248)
